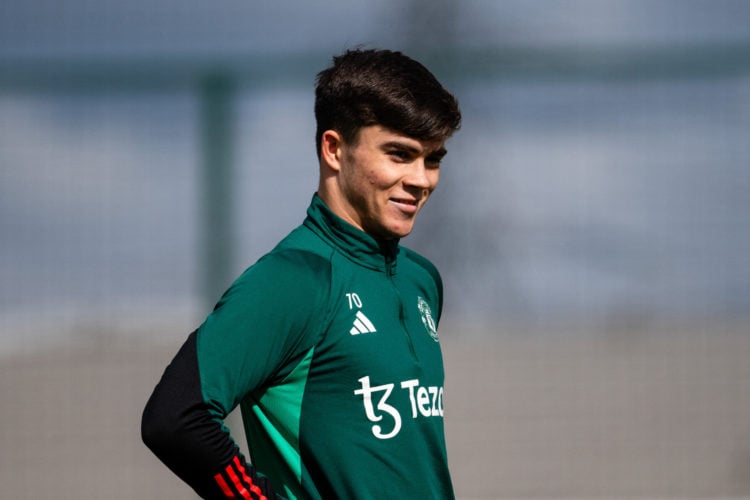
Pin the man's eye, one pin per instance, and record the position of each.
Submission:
(400, 155)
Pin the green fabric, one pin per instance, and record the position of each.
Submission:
(277, 415)
(330, 345)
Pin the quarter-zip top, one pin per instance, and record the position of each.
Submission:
(329, 343)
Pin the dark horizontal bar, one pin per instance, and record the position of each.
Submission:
(167, 72)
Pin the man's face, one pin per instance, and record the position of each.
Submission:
(385, 178)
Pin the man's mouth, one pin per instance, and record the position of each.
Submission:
(408, 205)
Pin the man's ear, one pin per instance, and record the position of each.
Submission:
(331, 149)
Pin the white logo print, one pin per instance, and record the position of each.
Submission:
(362, 323)
(366, 391)
(425, 402)
(427, 320)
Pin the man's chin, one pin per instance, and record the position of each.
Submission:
(392, 230)
(400, 232)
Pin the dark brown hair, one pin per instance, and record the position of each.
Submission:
(386, 88)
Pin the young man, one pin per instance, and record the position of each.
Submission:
(329, 342)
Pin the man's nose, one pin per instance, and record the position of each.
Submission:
(417, 175)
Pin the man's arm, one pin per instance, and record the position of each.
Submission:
(184, 432)
(265, 322)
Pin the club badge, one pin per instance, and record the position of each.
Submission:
(427, 320)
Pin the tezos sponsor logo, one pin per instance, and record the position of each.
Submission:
(425, 402)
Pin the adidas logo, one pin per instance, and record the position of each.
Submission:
(362, 325)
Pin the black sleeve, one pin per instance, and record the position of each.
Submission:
(179, 428)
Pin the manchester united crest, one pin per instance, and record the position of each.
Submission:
(427, 319)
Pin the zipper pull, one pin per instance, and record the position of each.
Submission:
(389, 267)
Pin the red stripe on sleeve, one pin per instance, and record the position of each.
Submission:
(253, 487)
(223, 485)
(237, 484)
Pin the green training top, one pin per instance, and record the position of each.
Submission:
(329, 343)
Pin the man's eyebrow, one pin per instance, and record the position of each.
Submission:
(401, 146)
(438, 153)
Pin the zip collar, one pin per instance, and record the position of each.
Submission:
(353, 243)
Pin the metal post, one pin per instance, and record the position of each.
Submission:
(216, 235)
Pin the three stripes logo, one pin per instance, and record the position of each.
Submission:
(236, 480)
(362, 325)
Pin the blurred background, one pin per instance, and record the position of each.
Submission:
(592, 227)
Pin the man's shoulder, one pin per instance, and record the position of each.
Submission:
(297, 258)
(297, 255)
(302, 240)
(422, 262)
(425, 270)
